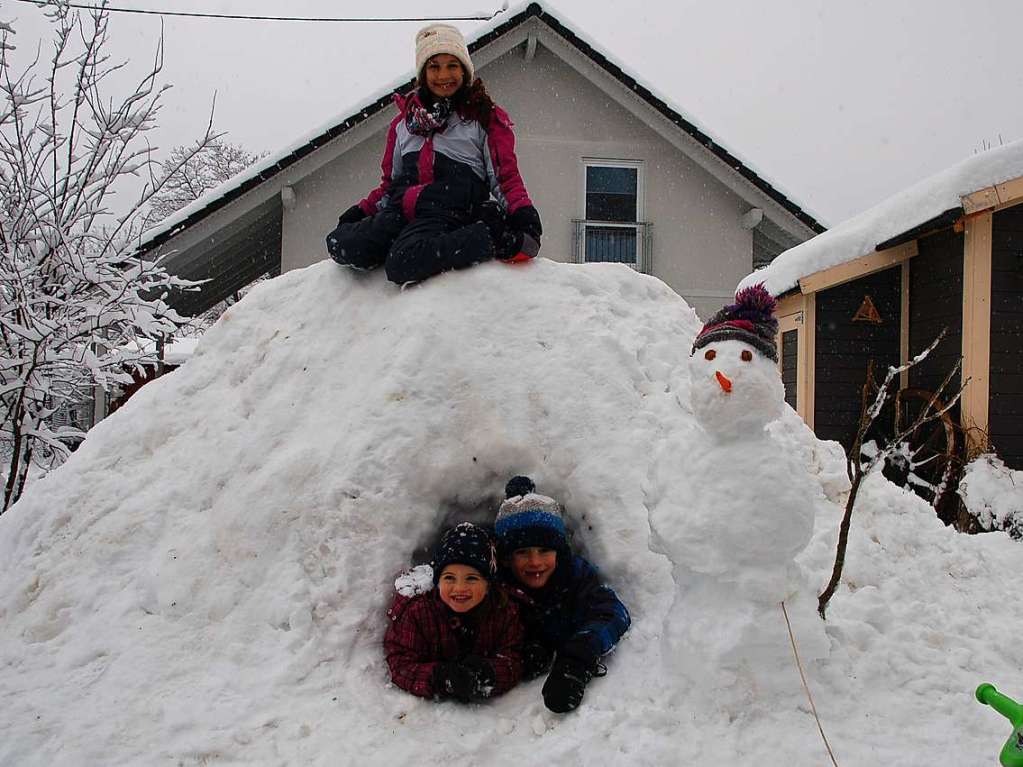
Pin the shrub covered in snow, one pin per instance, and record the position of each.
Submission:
(993, 494)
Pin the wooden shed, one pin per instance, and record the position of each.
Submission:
(946, 253)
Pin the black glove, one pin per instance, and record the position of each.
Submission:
(536, 659)
(485, 676)
(563, 690)
(350, 216)
(527, 221)
(454, 680)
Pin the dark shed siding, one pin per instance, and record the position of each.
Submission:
(843, 348)
(1005, 416)
(789, 364)
(935, 302)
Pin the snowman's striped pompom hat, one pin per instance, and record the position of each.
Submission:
(750, 320)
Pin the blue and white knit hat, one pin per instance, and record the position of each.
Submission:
(528, 519)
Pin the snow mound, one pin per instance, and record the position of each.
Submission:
(206, 580)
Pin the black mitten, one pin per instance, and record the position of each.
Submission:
(526, 220)
(563, 690)
(491, 214)
(454, 680)
(536, 659)
(485, 676)
(506, 240)
(350, 216)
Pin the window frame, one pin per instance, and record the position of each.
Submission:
(636, 226)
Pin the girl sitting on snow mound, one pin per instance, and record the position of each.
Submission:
(461, 639)
(448, 150)
(569, 615)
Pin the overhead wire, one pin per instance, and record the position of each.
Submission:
(245, 17)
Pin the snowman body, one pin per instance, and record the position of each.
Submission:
(752, 507)
(734, 540)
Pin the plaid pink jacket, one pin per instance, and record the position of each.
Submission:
(423, 632)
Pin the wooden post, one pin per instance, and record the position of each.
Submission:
(976, 325)
(808, 352)
(904, 326)
(792, 314)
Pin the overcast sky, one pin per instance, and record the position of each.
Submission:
(838, 103)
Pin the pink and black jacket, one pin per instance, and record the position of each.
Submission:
(424, 632)
(455, 169)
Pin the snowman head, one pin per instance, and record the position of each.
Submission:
(735, 384)
(734, 389)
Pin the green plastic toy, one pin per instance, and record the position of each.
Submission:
(1012, 751)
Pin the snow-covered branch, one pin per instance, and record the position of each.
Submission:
(74, 297)
(873, 403)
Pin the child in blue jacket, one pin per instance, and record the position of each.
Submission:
(570, 616)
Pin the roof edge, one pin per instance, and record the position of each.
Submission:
(532, 10)
(941, 221)
(688, 127)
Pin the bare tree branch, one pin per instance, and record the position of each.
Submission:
(871, 406)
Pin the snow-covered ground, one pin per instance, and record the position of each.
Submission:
(205, 580)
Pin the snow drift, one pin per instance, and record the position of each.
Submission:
(205, 580)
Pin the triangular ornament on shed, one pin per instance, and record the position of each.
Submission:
(867, 312)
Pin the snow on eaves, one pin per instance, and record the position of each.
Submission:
(177, 219)
(861, 234)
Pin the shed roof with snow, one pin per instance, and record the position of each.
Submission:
(944, 254)
(980, 182)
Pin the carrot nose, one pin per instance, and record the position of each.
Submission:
(725, 383)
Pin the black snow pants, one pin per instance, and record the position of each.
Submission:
(433, 243)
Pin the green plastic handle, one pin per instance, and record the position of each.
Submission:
(1012, 751)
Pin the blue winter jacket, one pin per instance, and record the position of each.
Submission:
(575, 614)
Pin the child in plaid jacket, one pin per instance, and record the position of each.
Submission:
(461, 639)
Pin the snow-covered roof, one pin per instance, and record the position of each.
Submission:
(351, 116)
(898, 215)
(178, 351)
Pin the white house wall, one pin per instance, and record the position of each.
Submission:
(699, 246)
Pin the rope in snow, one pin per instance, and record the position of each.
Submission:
(236, 16)
(809, 697)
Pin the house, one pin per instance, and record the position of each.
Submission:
(96, 403)
(617, 172)
(945, 253)
(169, 357)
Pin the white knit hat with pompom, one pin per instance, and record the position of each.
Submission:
(442, 38)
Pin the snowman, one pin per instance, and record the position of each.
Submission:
(755, 509)
(748, 513)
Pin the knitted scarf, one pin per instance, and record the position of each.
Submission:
(425, 122)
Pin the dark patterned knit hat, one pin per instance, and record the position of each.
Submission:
(466, 544)
(528, 519)
(750, 320)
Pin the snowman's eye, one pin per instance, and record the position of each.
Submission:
(710, 354)
(746, 355)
